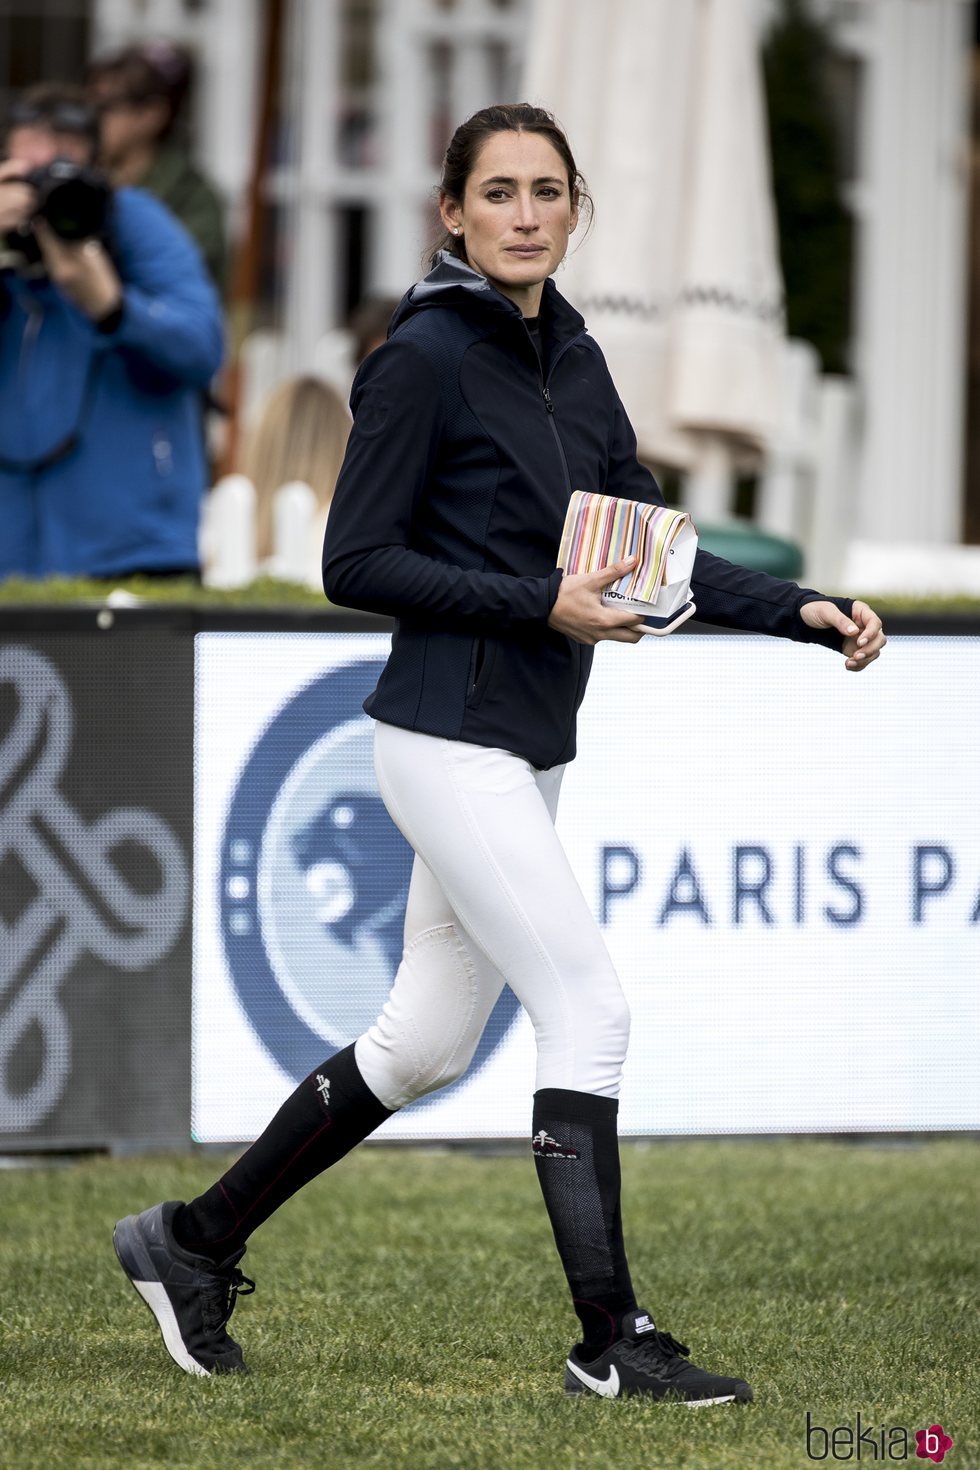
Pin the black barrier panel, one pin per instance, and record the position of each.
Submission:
(96, 792)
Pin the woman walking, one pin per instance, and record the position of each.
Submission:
(487, 406)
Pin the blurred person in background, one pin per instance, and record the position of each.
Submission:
(142, 94)
(300, 434)
(110, 333)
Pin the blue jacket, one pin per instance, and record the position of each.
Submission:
(127, 495)
(450, 504)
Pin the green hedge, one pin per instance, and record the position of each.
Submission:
(268, 593)
(182, 592)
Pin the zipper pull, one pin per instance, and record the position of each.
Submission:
(547, 399)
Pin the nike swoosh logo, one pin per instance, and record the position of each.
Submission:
(608, 1387)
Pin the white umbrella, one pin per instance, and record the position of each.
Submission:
(679, 280)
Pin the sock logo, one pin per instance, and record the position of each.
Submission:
(323, 1088)
(546, 1147)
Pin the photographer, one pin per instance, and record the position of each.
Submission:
(110, 332)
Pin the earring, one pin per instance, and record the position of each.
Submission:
(455, 229)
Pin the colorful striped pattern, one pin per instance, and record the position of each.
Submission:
(600, 529)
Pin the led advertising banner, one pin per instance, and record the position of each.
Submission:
(783, 857)
(96, 765)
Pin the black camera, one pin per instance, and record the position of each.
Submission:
(74, 200)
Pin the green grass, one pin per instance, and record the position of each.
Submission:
(411, 1315)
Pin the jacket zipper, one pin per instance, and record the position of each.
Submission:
(549, 405)
(554, 429)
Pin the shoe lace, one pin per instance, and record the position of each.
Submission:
(657, 1347)
(220, 1291)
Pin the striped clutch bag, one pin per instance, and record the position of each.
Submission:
(600, 529)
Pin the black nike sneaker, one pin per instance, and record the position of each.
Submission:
(648, 1363)
(190, 1296)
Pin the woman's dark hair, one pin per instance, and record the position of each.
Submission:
(469, 138)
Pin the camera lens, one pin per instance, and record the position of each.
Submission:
(73, 200)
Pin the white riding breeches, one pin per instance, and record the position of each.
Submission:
(492, 898)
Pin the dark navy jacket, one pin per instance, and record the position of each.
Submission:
(450, 504)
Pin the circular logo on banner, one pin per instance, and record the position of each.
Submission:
(314, 880)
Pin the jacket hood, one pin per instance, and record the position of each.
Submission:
(454, 284)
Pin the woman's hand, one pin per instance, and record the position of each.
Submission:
(863, 635)
(579, 611)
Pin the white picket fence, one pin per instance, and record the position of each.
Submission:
(228, 540)
(806, 488)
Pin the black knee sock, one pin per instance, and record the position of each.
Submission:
(330, 1112)
(576, 1153)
